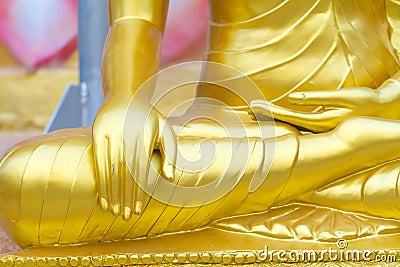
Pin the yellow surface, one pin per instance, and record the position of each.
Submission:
(27, 100)
(335, 180)
(6, 59)
(7, 139)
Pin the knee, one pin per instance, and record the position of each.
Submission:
(25, 174)
(30, 162)
(12, 168)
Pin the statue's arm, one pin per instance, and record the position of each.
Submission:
(131, 55)
(339, 105)
(133, 46)
(278, 170)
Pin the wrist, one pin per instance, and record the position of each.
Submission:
(118, 99)
(389, 91)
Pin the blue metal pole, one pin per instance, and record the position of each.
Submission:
(93, 29)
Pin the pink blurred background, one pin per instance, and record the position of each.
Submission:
(44, 32)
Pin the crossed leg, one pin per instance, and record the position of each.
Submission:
(49, 196)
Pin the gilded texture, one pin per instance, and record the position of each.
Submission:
(292, 221)
(393, 9)
(289, 46)
(226, 258)
(75, 186)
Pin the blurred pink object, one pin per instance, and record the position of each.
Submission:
(185, 33)
(39, 32)
(44, 32)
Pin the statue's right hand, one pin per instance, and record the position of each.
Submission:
(124, 139)
(112, 173)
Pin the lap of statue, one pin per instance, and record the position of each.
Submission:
(49, 194)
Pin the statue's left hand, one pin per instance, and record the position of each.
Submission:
(337, 106)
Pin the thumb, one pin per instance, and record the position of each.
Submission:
(169, 149)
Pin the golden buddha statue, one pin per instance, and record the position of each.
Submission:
(329, 68)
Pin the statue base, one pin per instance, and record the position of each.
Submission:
(219, 247)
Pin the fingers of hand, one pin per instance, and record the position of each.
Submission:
(316, 122)
(101, 161)
(347, 98)
(263, 108)
(259, 109)
(127, 188)
(140, 178)
(169, 151)
(115, 168)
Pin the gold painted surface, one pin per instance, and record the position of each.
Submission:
(6, 140)
(338, 180)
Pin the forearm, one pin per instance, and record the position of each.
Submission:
(154, 11)
(133, 45)
(356, 145)
(246, 167)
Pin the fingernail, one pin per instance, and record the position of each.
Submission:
(116, 209)
(297, 97)
(138, 207)
(169, 170)
(127, 215)
(104, 204)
